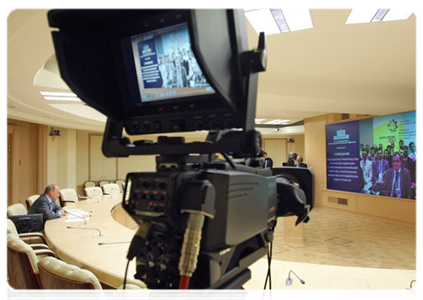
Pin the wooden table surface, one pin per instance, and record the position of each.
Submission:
(81, 247)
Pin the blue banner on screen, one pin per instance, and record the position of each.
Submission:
(149, 65)
(373, 156)
(342, 156)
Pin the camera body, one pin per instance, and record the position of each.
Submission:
(167, 71)
(238, 229)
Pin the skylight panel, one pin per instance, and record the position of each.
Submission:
(272, 21)
(361, 15)
(371, 15)
(262, 21)
(396, 14)
(297, 18)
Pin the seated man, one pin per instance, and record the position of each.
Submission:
(300, 163)
(46, 204)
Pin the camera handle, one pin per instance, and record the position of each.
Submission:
(239, 143)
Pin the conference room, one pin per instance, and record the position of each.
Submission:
(343, 78)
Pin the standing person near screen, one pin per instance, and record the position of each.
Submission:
(412, 151)
(300, 163)
(366, 166)
(380, 165)
(46, 204)
(268, 162)
(396, 182)
(415, 175)
(406, 161)
(372, 156)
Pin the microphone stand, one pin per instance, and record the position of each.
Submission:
(411, 291)
(289, 280)
(85, 220)
(99, 232)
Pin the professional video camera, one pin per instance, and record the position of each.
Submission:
(202, 221)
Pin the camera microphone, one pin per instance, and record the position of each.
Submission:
(289, 280)
(85, 220)
(99, 232)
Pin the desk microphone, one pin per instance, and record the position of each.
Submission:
(411, 291)
(99, 232)
(289, 279)
(85, 220)
(109, 243)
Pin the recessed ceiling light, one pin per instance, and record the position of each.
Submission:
(272, 21)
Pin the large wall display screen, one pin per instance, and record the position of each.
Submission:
(373, 156)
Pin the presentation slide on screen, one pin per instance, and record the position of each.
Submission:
(166, 66)
(373, 156)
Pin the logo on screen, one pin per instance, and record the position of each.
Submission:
(392, 125)
(341, 135)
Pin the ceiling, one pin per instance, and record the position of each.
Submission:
(332, 68)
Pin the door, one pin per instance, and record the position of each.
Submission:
(277, 150)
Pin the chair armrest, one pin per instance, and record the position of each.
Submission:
(28, 237)
(39, 247)
(67, 201)
(44, 252)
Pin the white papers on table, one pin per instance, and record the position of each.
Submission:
(76, 215)
(76, 220)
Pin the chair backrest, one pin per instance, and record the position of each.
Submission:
(89, 183)
(16, 209)
(30, 200)
(121, 184)
(93, 192)
(111, 188)
(102, 182)
(68, 195)
(11, 228)
(56, 274)
(22, 269)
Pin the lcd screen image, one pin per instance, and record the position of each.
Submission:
(165, 65)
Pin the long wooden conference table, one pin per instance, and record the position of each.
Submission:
(101, 244)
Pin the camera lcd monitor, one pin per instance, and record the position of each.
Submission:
(165, 65)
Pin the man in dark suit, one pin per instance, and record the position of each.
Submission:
(268, 162)
(46, 204)
(396, 181)
(300, 163)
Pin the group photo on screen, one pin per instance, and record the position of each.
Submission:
(386, 162)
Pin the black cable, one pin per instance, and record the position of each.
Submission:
(126, 274)
(229, 160)
(269, 261)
